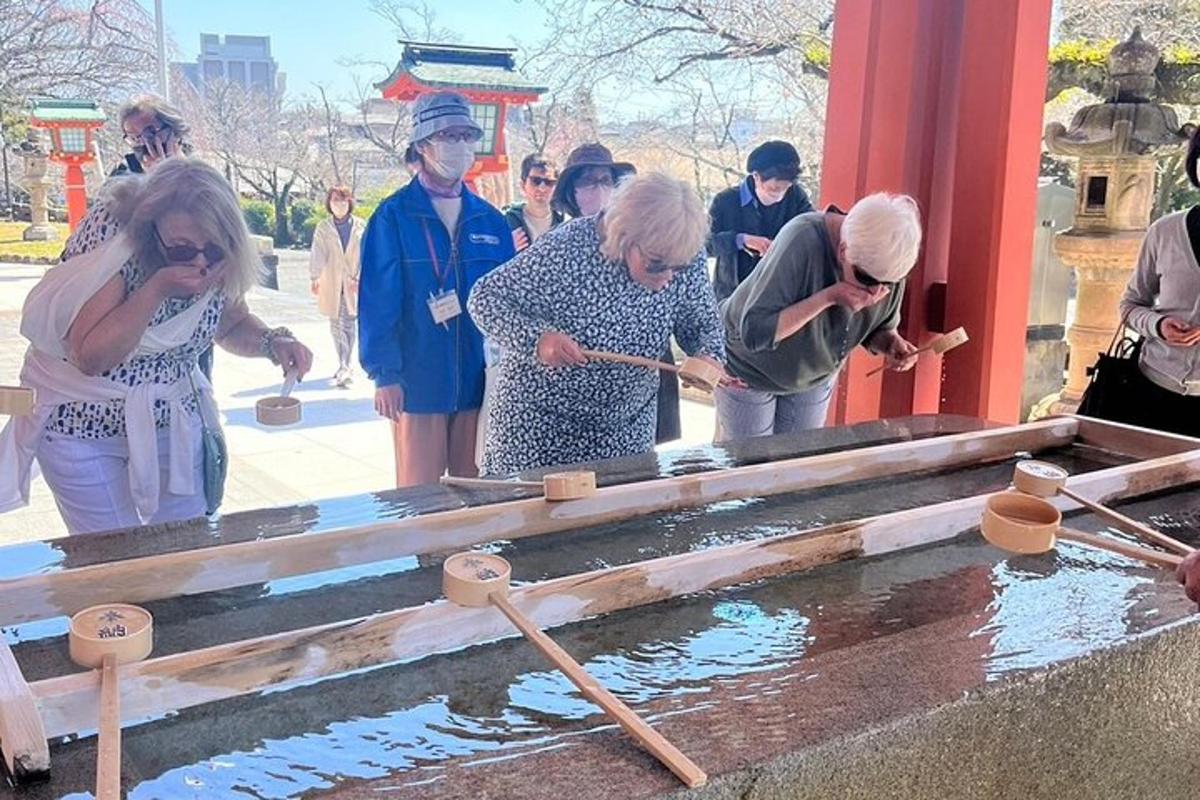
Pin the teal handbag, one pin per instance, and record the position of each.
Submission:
(216, 458)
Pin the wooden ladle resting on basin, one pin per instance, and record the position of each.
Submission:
(1042, 479)
(478, 580)
(697, 370)
(103, 637)
(556, 486)
(1020, 523)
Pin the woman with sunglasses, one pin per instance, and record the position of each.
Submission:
(534, 217)
(829, 283)
(155, 131)
(625, 281)
(115, 332)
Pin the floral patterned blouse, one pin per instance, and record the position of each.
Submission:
(91, 420)
(543, 416)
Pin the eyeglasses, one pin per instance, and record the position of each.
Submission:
(469, 135)
(148, 133)
(658, 267)
(540, 182)
(595, 183)
(183, 253)
(870, 281)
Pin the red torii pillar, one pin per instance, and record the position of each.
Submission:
(943, 100)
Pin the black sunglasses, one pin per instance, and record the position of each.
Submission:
(658, 267)
(539, 181)
(183, 253)
(870, 281)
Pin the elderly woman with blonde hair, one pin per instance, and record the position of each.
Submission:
(624, 281)
(830, 282)
(125, 429)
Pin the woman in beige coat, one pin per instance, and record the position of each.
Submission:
(334, 270)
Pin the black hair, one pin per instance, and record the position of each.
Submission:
(781, 172)
(1193, 155)
(411, 156)
(535, 161)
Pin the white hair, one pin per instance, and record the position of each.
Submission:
(882, 234)
(661, 216)
(189, 186)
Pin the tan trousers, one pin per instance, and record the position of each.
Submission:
(429, 445)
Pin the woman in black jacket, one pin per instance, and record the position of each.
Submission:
(747, 217)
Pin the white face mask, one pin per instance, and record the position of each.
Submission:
(339, 210)
(592, 199)
(450, 160)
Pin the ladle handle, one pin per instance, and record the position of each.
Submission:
(289, 383)
(1128, 524)
(488, 483)
(683, 767)
(920, 351)
(637, 361)
(1153, 557)
(108, 750)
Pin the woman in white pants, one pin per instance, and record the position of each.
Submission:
(334, 269)
(155, 273)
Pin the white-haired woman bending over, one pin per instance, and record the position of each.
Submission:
(830, 282)
(624, 280)
(149, 281)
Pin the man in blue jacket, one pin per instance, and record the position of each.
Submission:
(424, 248)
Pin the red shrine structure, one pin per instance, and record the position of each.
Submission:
(486, 76)
(71, 124)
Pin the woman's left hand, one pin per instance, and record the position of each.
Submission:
(292, 356)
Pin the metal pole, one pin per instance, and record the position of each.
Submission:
(12, 215)
(164, 89)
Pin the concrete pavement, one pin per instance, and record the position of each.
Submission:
(340, 448)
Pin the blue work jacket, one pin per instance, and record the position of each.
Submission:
(407, 257)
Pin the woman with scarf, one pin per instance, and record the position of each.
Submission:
(115, 331)
(424, 248)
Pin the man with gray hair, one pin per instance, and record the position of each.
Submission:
(829, 283)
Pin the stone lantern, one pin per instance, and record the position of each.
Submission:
(38, 185)
(1117, 143)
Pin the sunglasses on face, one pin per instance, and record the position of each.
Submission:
(540, 182)
(657, 267)
(184, 253)
(471, 136)
(869, 281)
(595, 183)
(148, 133)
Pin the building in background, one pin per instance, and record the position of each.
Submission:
(242, 60)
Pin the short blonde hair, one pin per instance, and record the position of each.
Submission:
(662, 217)
(189, 186)
(882, 234)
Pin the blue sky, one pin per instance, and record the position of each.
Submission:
(308, 37)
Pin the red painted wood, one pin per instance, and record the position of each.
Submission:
(941, 100)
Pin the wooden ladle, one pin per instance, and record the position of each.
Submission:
(17, 401)
(281, 410)
(103, 637)
(696, 370)
(1042, 479)
(1021, 523)
(556, 486)
(943, 343)
(477, 580)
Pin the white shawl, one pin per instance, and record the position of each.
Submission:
(49, 311)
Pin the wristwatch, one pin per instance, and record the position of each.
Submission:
(268, 339)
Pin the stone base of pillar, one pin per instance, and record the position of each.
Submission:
(1045, 367)
(39, 233)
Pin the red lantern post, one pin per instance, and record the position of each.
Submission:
(71, 124)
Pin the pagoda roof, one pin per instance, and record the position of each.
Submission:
(67, 111)
(444, 66)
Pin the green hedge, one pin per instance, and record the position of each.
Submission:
(260, 217)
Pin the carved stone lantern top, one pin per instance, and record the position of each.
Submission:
(1129, 123)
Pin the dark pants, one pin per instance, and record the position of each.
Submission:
(206, 362)
(1151, 406)
(668, 427)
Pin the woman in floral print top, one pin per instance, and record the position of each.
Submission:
(623, 281)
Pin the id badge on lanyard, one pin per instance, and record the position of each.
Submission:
(443, 304)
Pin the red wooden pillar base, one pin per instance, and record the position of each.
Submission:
(942, 100)
(76, 195)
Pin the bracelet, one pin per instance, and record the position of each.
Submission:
(268, 339)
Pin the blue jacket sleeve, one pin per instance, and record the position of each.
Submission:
(380, 300)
